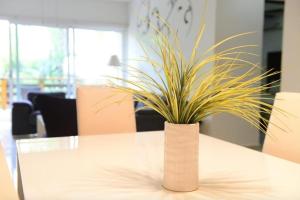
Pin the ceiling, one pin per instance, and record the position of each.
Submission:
(121, 0)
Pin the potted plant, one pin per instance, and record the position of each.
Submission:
(186, 91)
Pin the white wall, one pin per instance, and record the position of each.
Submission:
(233, 17)
(83, 13)
(291, 47)
(187, 33)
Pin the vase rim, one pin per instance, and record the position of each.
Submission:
(194, 124)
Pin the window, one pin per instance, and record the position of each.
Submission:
(93, 50)
(4, 49)
(44, 58)
(42, 54)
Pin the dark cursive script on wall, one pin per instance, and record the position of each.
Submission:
(151, 14)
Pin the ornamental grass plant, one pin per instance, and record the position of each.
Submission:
(187, 90)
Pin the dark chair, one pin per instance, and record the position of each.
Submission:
(33, 95)
(149, 120)
(59, 115)
(24, 113)
(23, 120)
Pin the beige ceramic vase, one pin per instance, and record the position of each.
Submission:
(181, 157)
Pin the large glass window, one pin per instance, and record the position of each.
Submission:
(40, 58)
(4, 62)
(93, 50)
(4, 49)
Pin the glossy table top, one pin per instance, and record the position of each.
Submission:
(129, 166)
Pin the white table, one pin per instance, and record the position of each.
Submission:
(129, 166)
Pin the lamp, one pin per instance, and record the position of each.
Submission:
(114, 61)
(115, 71)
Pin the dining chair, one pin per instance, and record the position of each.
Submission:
(284, 128)
(103, 110)
(7, 190)
(59, 115)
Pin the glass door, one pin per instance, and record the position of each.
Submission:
(47, 59)
(93, 50)
(42, 60)
(4, 63)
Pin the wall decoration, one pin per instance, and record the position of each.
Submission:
(181, 10)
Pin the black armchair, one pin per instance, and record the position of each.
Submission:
(148, 119)
(59, 115)
(24, 113)
(23, 119)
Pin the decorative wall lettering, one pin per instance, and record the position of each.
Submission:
(175, 9)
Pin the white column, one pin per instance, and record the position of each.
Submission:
(290, 76)
(233, 17)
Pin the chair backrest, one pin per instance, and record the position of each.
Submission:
(149, 120)
(32, 96)
(59, 115)
(284, 128)
(7, 190)
(102, 110)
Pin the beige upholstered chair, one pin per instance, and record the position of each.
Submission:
(7, 190)
(102, 110)
(284, 128)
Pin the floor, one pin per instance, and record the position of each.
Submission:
(8, 142)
